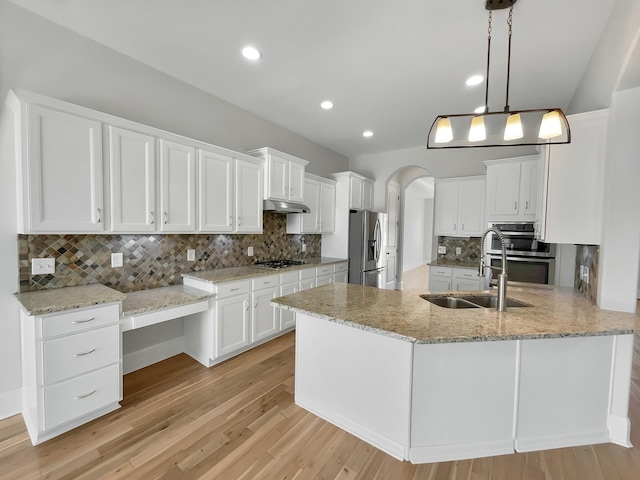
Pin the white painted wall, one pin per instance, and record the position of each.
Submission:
(620, 249)
(417, 225)
(42, 57)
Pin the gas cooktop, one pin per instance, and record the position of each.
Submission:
(278, 264)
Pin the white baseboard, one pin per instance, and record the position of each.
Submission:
(562, 440)
(463, 451)
(620, 430)
(133, 361)
(10, 403)
(372, 437)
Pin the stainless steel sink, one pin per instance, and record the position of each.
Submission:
(491, 301)
(471, 301)
(449, 302)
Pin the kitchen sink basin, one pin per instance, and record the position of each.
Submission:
(491, 301)
(471, 301)
(449, 302)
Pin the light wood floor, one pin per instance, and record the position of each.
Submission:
(238, 420)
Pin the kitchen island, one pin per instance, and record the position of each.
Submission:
(426, 383)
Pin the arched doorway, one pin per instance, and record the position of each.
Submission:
(410, 222)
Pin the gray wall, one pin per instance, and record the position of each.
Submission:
(42, 57)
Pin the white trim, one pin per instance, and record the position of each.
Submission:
(372, 437)
(465, 451)
(561, 440)
(619, 430)
(144, 357)
(10, 403)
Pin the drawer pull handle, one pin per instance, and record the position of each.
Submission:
(267, 283)
(75, 322)
(82, 354)
(80, 397)
(234, 289)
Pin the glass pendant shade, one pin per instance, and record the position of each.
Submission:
(551, 125)
(513, 128)
(444, 133)
(477, 132)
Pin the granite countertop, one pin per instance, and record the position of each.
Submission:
(146, 301)
(67, 298)
(222, 275)
(454, 264)
(555, 313)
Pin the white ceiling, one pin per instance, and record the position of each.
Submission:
(388, 66)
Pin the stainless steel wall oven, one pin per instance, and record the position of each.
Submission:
(528, 260)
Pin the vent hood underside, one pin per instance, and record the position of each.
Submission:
(285, 207)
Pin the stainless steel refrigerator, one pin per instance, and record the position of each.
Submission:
(367, 248)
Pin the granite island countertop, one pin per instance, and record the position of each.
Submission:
(42, 302)
(222, 275)
(555, 313)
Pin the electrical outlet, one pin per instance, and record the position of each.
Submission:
(42, 266)
(442, 249)
(191, 255)
(116, 260)
(250, 251)
(586, 275)
(458, 250)
(304, 247)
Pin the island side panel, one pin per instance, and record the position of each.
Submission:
(564, 392)
(463, 400)
(619, 424)
(358, 380)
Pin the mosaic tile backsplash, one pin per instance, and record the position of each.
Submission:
(470, 249)
(589, 256)
(154, 260)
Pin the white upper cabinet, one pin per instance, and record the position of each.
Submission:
(459, 210)
(60, 165)
(320, 197)
(215, 193)
(512, 189)
(571, 185)
(249, 197)
(177, 187)
(133, 181)
(367, 194)
(360, 192)
(284, 175)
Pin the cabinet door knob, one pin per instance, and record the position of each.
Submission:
(239, 221)
(515, 206)
(526, 205)
(230, 219)
(152, 219)
(165, 218)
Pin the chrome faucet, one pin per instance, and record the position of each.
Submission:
(502, 277)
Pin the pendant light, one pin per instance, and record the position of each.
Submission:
(499, 129)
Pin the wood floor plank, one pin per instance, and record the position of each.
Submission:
(238, 421)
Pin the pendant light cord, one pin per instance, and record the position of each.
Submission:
(509, 22)
(486, 93)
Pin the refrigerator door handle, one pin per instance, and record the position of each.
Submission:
(376, 234)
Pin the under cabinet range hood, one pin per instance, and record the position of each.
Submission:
(283, 206)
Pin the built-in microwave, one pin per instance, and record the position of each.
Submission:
(528, 260)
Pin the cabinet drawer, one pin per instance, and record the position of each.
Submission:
(232, 288)
(73, 355)
(307, 283)
(441, 271)
(325, 270)
(307, 273)
(341, 267)
(264, 282)
(466, 273)
(289, 277)
(78, 320)
(81, 395)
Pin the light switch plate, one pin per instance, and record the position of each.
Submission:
(116, 260)
(191, 254)
(250, 251)
(442, 249)
(43, 266)
(458, 250)
(304, 247)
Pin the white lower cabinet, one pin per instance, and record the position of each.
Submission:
(443, 279)
(71, 369)
(241, 315)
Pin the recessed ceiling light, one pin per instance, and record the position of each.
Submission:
(367, 133)
(251, 53)
(475, 80)
(479, 109)
(327, 104)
